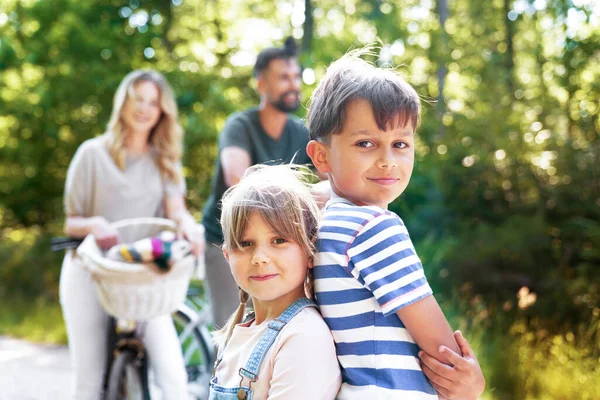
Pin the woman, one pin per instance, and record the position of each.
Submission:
(133, 170)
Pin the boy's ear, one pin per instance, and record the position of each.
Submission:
(317, 152)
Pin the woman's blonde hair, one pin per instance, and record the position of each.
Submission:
(282, 197)
(166, 137)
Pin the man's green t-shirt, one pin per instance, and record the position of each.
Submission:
(243, 129)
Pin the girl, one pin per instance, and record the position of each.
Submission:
(133, 170)
(283, 350)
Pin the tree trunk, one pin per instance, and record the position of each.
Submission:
(308, 28)
(442, 9)
(509, 60)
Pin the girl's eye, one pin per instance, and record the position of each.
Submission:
(279, 240)
(400, 145)
(364, 144)
(245, 243)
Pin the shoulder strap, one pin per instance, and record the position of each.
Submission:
(265, 342)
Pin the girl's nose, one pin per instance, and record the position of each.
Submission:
(260, 257)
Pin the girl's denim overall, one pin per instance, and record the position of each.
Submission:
(249, 373)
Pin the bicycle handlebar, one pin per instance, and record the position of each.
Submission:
(64, 243)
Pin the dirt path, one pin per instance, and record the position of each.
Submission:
(33, 371)
(43, 372)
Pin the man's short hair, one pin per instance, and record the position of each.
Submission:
(393, 100)
(289, 50)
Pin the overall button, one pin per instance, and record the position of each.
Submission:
(241, 394)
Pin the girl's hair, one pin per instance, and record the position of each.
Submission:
(166, 137)
(281, 197)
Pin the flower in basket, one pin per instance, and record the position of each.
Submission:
(163, 250)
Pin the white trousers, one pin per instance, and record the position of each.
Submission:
(87, 329)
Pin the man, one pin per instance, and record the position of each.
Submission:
(264, 134)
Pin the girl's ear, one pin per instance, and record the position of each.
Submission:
(226, 254)
(311, 262)
(318, 153)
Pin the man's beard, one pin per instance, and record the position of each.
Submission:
(281, 105)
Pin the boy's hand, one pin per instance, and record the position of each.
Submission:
(463, 381)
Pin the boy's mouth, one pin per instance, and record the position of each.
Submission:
(261, 278)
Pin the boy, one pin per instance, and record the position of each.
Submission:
(369, 281)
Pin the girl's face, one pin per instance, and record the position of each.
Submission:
(142, 111)
(268, 267)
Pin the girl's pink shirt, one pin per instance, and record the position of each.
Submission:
(301, 364)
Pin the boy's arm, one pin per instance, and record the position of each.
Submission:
(455, 378)
(384, 257)
(459, 381)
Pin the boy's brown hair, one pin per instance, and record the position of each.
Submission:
(393, 100)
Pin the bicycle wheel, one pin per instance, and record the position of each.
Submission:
(196, 348)
(125, 380)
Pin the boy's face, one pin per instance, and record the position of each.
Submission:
(366, 165)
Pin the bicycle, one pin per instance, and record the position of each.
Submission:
(127, 374)
(192, 322)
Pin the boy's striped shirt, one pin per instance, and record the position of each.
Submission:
(365, 270)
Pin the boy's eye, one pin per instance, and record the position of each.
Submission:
(279, 240)
(245, 243)
(364, 144)
(400, 145)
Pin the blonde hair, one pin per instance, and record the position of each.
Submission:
(166, 137)
(283, 199)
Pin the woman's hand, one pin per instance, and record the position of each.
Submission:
(193, 233)
(187, 226)
(106, 236)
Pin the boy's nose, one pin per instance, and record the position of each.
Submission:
(387, 160)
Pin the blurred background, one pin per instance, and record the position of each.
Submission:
(504, 203)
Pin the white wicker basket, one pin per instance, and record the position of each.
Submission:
(135, 291)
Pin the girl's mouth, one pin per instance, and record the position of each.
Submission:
(262, 278)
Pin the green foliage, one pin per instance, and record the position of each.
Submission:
(38, 320)
(566, 365)
(504, 202)
(523, 359)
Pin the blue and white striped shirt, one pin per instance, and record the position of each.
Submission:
(366, 269)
